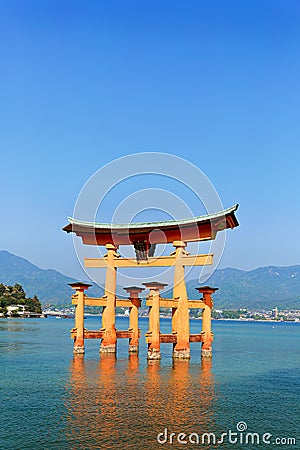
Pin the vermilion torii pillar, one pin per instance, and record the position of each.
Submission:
(79, 315)
(180, 315)
(153, 335)
(109, 342)
(134, 292)
(207, 292)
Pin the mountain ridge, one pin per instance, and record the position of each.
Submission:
(261, 288)
(49, 285)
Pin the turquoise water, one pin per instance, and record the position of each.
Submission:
(52, 400)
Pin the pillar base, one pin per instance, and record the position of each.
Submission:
(206, 353)
(108, 349)
(133, 349)
(153, 355)
(78, 350)
(181, 354)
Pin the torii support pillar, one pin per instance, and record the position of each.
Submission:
(134, 292)
(180, 315)
(153, 335)
(109, 342)
(208, 336)
(79, 316)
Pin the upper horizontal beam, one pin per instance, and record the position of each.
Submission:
(102, 301)
(162, 261)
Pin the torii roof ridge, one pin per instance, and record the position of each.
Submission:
(112, 226)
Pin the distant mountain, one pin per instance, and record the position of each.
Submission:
(265, 287)
(50, 286)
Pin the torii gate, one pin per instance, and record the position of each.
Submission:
(144, 237)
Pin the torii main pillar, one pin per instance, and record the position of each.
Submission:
(109, 342)
(180, 315)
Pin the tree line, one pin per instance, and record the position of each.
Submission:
(15, 295)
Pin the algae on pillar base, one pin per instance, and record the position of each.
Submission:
(183, 353)
(109, 342)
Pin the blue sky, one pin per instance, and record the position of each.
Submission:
(215, 82)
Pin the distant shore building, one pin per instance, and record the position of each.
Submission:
(20, 309)
(275, 313)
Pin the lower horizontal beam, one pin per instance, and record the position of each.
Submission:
(97, 334)
(196, 338)
(172, 338)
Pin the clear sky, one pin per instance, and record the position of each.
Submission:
(215, 82)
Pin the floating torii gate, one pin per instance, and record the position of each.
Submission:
(144, 237)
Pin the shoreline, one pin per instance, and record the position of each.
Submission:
(217, 320)
(87, 315)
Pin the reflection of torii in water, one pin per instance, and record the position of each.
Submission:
(144, 237)
(103, 408)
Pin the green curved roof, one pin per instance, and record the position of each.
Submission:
(145, 225)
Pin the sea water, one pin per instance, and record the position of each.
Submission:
(51, 399)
